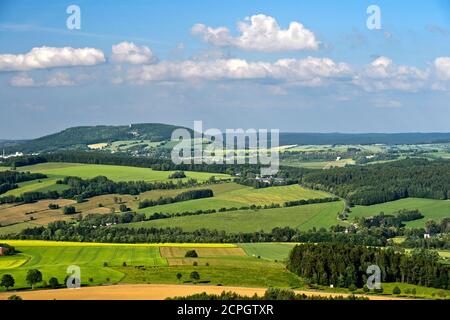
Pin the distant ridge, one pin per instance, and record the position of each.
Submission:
(77, 138)
(80, 137)
(287, 138)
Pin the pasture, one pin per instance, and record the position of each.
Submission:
(318, 164)
(115, 173)
(34, 214)
(301, 217)
(430, 208)
(270, 251)
(105, 263)
(235, 271)
(231, 195)
(42, 185)
(53, 260)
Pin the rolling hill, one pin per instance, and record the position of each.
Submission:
(80, 137)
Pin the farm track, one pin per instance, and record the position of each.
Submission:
(153, 292)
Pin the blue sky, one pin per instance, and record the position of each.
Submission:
(338, 76)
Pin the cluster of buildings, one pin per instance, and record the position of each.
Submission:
(4, 156)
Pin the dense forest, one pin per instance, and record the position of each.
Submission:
(346, 265)
(380, 183)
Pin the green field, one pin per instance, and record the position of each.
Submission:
(301, 217)
(269, 251)
(56, 171)
(43, 185)
(431, 209)
(53, 261)
(144, 264)
(234, 195)
(115, 173)
(227, 271)
(217, 264)
(317, 164)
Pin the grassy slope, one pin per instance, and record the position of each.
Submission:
(116, 173)
(53, 262)
(269, 251)
(236, 271)
(56, 171)
(42, 185)
(228, 266)
(431, 209)
(234, 195)
(302, 217)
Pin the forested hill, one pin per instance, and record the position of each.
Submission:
(287, 138)
(378, 183)
(79, 137)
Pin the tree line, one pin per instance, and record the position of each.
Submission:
(184, 196)
(99, 228)
(87, 188)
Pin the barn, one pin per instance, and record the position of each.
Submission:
(2, 251)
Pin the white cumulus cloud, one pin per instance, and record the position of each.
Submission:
(442, 67)
(22, 80)
(51, 57)
(310, 71)
(384, 74)
(128, 52)
(55, 79)
(260, 33)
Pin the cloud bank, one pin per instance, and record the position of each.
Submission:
(50, 57)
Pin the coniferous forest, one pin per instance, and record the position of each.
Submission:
(346, 265)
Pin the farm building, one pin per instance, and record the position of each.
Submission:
(2, 251)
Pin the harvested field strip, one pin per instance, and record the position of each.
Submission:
(42, 243)
(177, 252)
(150, 292)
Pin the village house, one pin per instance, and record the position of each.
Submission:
(2, 251)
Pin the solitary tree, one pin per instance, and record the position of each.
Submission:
(179, 276)
(7, 281)
(396, 290)
(33, 276)
(195, 276)
(53, 282)
(69, 210)
(191, 254)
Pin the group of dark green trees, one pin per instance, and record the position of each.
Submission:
(378, 183)
(346, 265)
(10, 179)
(184, 196)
